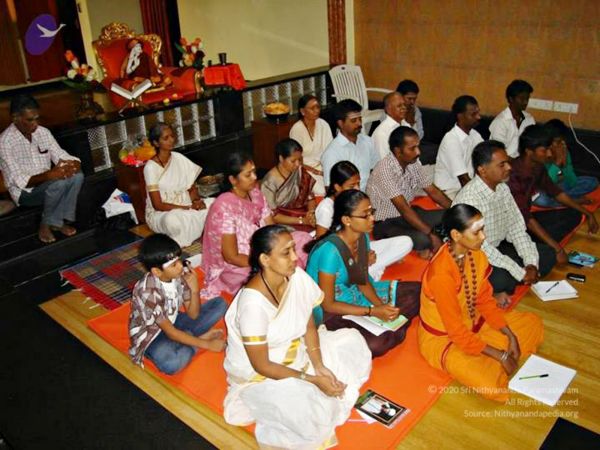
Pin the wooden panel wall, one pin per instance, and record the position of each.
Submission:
(478, 46)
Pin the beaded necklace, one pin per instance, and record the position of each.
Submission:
(470, 290)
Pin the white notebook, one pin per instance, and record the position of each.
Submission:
(554, 290)
(542, 380)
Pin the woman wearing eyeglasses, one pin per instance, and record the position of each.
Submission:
(338, 262)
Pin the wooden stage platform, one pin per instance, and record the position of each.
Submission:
(458, 419)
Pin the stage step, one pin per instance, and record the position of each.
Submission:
(36, 272)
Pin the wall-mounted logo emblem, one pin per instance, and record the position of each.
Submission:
(41, 33)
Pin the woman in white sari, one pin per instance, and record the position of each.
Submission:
(295, 382)
(173, 206)
(314, 135)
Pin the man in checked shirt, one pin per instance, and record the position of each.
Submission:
(37, 171)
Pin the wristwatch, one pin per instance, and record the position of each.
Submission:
(303, 375)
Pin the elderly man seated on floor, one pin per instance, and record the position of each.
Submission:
(37, 171)
(394, 183)
(529, 177)
(513, 256)
(395, 110)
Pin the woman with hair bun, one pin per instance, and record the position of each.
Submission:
(314, 135)
(173, 206)
(462, 330)
(339, 263)
(288, 188)
(295, 382)
(344, 176)
(232, 219)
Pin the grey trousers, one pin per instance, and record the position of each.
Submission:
(59, 198)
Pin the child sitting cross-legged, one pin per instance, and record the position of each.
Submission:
(156, 328)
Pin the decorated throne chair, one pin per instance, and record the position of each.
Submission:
(112, 49)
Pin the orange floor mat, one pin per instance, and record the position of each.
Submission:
(402, 374)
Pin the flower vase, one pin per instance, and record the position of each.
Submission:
(87, 109)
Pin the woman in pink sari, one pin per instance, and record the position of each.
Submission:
(232, 219)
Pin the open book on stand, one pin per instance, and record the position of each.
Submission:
(134, 93)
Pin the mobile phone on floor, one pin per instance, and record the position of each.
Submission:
(576, 277)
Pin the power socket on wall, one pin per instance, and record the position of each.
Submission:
(539, 103)
(563, 107)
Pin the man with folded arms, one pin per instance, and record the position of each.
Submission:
(37, 171)
(514, 257)
(453, 167)
(394, 183)
(529, 177)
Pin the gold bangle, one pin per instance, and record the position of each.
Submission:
(301, 220)
(303, 375)
(313, 349)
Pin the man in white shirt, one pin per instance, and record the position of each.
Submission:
(393, 104)
(350, 144)
(510, 123)
(37, 171)
(410, 92)
(453, 167)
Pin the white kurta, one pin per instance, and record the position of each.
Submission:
(173, 183)
(289, 413)
(313, 147)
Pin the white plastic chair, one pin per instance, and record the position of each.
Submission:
(348, 82)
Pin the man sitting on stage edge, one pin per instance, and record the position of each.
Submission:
(394, 183)
(27, 153)
(529, 177)
(513, 256)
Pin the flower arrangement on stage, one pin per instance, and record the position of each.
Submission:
(191, 53)
(79, 76)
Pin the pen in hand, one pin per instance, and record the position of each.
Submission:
(552, 287)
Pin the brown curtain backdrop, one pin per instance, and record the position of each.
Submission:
(336, 18)
(10, 54)
(155, 20)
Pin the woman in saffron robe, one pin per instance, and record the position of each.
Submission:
(462, 330)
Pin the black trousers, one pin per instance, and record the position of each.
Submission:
(397, 226)
(503, 281)
(557, 222)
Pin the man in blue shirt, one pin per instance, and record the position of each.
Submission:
(350, 144)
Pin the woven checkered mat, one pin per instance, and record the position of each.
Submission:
(108, 279)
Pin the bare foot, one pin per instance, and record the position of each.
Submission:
(45, 234)
(65, 230)
(425, 254)
(503, 300)
(217, 333)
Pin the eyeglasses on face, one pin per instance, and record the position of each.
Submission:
(370, 213)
